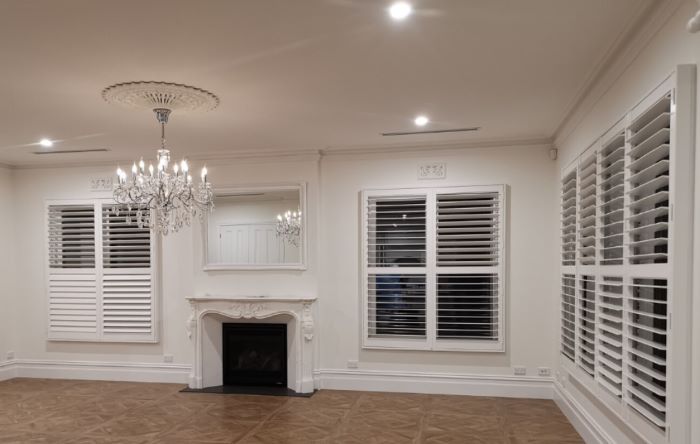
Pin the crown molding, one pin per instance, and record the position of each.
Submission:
(645, 25)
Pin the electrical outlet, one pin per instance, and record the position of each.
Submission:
(519, 370)
(352, 363)
(167, 358)
(543, 371)
(10, 355)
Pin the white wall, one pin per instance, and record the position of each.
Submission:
(628, 80)
(530, 316)
(7, 269)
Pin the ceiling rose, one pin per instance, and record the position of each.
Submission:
(151, 95)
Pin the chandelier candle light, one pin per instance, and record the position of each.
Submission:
(165, 199)
(289, 226)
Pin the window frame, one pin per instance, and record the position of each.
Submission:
(431, 271)
(99, 272)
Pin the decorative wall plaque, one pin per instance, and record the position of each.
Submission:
(101, 183)
(431, 171)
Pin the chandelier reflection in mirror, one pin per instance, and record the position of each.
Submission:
(171, 197)
(161, 197)
(289, 227)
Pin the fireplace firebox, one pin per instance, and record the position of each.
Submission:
(254, 354)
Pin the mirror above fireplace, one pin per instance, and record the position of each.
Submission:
(260, 227)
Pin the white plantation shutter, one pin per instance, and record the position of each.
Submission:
(100, 275)
(638, 268)
(72, 277)
(433, 268)
(127, 290)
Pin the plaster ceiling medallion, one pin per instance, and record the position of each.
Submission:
(151, 95)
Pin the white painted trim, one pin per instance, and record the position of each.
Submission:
(8, 370)
(435, 383)
(583, 422)
(96, 370)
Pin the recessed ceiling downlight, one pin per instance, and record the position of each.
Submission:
(46, 143)
(421, 120)
(400, 10)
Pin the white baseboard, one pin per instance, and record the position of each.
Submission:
(7, 370)
(93, 370)
(436, 383)
(583, 422)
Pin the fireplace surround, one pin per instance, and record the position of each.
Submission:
(206, 324)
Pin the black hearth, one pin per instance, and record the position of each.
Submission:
(255, 354)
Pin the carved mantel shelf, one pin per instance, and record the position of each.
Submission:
(298, 308)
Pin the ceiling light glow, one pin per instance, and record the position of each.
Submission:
(421, 120)
(46, 143)
(400, 10)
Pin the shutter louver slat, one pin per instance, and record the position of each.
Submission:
(648, 182)
(568, 222)
(127, 303)
(124, 243)
(72, 306)
(568, 304)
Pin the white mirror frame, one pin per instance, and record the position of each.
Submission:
(301, 265)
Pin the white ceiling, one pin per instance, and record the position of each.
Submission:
(294, 75)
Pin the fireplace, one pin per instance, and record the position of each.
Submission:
(254, 354)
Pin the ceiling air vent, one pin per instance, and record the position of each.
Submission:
(89, 150)
(436, 131)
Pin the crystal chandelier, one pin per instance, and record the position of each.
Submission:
(164, 200)
(289, 227)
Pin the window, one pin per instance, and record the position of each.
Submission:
(433, 268)
(101, 284)
(616, 286)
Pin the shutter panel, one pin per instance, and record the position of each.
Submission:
(72, 279)
(587, 211)
(611, 177)
(127, 304)
(568, 314)
(648, 184)
(609, 323)
(568, 219)
(647, 323)
(396, 231)
(72, 306)
(467, 229)
(127, 281)
(396, 305)
(467, 306)
(124, 243)
(586, 324)
(71, 236)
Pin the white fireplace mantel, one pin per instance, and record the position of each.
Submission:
(300, 330)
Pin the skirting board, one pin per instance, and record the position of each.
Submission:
(583, 422)
(436, 383)
(91, 370)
